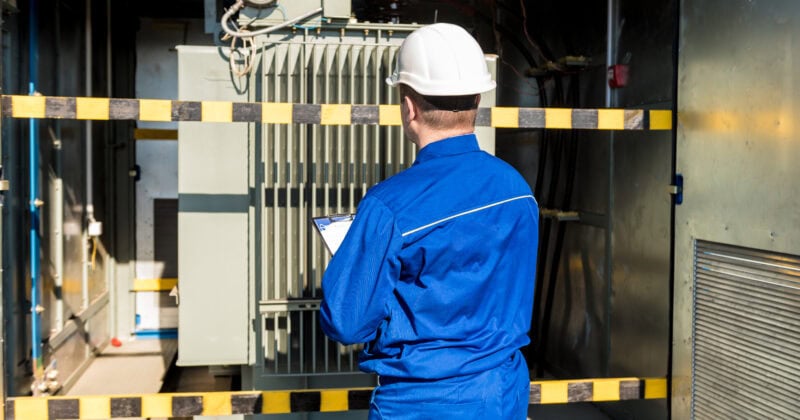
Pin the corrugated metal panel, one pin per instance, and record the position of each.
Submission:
(312, 170)
(746, 333)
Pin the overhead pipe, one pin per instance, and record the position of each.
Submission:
(35, 202)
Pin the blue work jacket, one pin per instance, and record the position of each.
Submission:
(437, 271)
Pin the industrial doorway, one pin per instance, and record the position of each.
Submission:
(737, 270)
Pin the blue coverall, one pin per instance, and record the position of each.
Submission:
(436, 276)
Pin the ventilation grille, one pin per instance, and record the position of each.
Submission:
(746, 352)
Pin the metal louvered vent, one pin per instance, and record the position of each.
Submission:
(316, 170)
(746, 333)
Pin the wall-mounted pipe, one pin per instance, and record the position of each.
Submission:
(4, 385)
(89, 162)
(35, 202)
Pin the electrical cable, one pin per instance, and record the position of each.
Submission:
(238, 34)
(571, 151)
(247, 36)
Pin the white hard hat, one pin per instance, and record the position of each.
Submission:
(442, 60)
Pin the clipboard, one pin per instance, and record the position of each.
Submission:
(333, 229)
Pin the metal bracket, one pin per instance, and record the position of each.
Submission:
(561, 216)
(676, 189)
(288, 305)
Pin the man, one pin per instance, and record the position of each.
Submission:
(436, 274)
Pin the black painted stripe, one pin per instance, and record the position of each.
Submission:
(185, 406)
(7, 106)
(186, 111)
(123, 109)
(304, 401)
(63, 409)
(359, 399)
(247, 112)
(631, 390)
(484, 117)
(306, 113)
(646, 120)
(584, 118)
(247, 404)
(364, 114)
(60, 107)
(535, 394)
(531, 117)
(10, 410)
(126, 407)
(634, 119)
(580, 391)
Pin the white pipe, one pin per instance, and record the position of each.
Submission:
(111, 276)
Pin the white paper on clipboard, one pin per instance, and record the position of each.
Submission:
(333, 229)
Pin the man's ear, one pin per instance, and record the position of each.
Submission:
(477, 100)
(411, 107)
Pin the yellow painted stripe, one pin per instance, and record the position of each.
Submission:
(278, 402)
(95, 407)
(155, 134)
(275, 402)
(558, 118)
(27, 106)
(91, 108)
(610, 119)
(217, 404)
(30, 408)
(155, 110)
(154, 285)
(655, 388)
(155, 405)
(505, 117)
(605, 389)
(389, 115)
(334, 401)
(335, 114)
(216, 111)
(554, 392)
(660, 120)
(276, 113)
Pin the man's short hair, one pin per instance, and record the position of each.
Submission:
(444, 111)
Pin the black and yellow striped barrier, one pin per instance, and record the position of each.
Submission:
(282, 402)
(327, 114)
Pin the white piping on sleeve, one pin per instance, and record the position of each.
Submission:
(412, 231)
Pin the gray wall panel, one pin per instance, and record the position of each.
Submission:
(737, 143)
(213, 204)
(641, 237)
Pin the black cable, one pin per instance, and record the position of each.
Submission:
(545, 227)
(537, 192)
(571, 151)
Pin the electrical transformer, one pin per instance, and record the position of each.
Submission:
(250, 263)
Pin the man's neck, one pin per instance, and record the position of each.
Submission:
(432, 136)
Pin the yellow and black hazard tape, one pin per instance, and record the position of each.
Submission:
(283, 402)
(80, 108)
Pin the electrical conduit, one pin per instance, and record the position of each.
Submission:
(33, 146)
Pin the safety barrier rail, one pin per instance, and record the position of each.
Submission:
(294, 401)
(84, 108)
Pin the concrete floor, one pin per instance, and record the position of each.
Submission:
(136, 367)
(142, 366)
